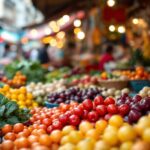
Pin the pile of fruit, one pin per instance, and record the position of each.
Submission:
(103, 135)
(20, 96)
(17, 81)
(41, 90)
(139, 74)
(73, 94)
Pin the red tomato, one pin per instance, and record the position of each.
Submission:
(87, 104)
(112, 109)
(101, 110)
(98, 100)
(93, 116)
(109, 100)
(74, 120)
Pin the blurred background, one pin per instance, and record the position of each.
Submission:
(76, 33)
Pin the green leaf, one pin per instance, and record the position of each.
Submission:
(3, 100)
(12, 120)
(2, 123)
(11, 107)
(2, 110)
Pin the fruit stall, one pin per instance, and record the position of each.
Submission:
(73, 108)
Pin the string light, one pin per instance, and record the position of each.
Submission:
(77, 23)
(112, 28)
(48, 31)
(53, 42)
(34, 32)
(111, 3)
(121, 29)
(60, 35)
(76, 30)
(135, 21)
(66, 18)
(81, 35)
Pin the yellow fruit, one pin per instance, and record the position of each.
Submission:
(21, 97)
(126, 133)
(111, 138)
(67, 146)
(100, 126)
(116, 121)
(126, 146)
(85, 126)
(93, 134)
(6, 88)
(67, 129)
(22, 90)
(29, 96)
(65, 139)
(86, 144)
(28, 102)
(75, 136)
(146, 135)
(101, 145)
(14, 96)
(34, 104)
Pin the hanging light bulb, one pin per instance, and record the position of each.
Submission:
(121, 29)
(112, 28)
(111, 3)
(77, 23)
(81, 35)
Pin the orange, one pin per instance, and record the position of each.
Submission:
(7, 128)
(10, 136)
(18, 127)
(7, 145)
(56, 136)
(45, 140)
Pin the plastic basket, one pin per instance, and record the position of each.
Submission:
(137, 85)
(50, 105)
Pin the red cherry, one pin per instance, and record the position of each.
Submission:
(98, 100)
(124, 109)
(112, 109)
(93, 116)
(74, 120)
(87, 104)
(57, 125)
(101, 110)
(109, 100)
(63, 118)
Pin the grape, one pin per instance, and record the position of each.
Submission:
(134, 115)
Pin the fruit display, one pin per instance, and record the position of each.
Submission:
(73, 94)
(10, 113)
(145, 92)
(111, 134)
(17, 81)
(20, 96)
(41, 90)
(139, 74)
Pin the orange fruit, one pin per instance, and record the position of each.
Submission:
(7, 128)
(32, 139)
(56, 136)
(22, 142)
(7, 145)
(10, 136)
(18, 127)
(45, 140)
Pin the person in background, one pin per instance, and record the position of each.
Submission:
(43, 54)
(106, 57)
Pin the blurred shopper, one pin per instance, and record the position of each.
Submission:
(43, 54)
(106, 57)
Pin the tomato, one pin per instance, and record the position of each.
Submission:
(49, 129)
(18, 127)
(74, 120)
(109, 100)
(124, 109)
(87, 104)
(98, 100)
(63, 118)
(10, 136)
(101, 110)
(85, 114)
(45, 140)
(93, 116)
(7, 145)
(78, 111)
(7, 128)
(112, 109)
(57, 125)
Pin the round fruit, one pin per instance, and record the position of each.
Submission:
(74, 120)
(10, 136)
(116, 121)
(7, 128)
(101, 145)
(126, 145)
(75, 136)
(7, 145)
(146, 135)
(45, 140)
(109, 101)
(112, 109)
(101, 110)
(18, 127)
(100, 126)
(126, 133)
(56, 136)
(92, 133)
(22, 142)
(98, 100)
(85, 126)
(67, 129)
(93, 116)
(87, 104)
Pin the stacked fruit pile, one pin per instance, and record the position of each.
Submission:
(18, 80)
(73, 94)
(41, 90)
(139, 74)
(20, 95)
(114, 134)
(145, 92)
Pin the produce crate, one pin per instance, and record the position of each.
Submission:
(50, 105)
(117, 84)
(137, 85)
